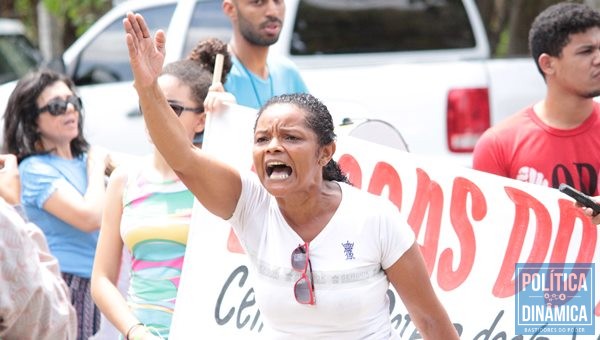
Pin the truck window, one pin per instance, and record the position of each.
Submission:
(17, 57)
(360, 26)
(208, 21)
(106, 58)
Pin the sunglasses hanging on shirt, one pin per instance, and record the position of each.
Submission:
(304, 288)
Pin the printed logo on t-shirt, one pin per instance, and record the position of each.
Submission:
(582, 176)
(348, 250)
(531, 175)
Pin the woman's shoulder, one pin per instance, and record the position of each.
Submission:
(130, 170)
(252, 189)
(36, 164)
(35, 159)
(120, 173)
(371, 202)
(355, 193)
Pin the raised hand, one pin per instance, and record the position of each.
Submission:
(146, 55)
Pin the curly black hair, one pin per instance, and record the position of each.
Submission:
(319, 120)
(551, 30)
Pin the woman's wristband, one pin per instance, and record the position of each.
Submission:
(132, 329)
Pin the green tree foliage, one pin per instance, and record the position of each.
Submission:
(25, 11)
(74, 16)
(80, 13)
(507, 23)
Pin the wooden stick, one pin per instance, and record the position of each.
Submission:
(218, 69)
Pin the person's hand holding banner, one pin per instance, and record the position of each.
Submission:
(217, 96)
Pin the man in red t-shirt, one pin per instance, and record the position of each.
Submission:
(558, 139)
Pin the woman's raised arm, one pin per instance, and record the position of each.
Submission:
(215, 184)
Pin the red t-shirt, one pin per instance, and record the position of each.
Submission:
(524, 148)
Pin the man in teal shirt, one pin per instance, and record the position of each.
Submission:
(256, 76)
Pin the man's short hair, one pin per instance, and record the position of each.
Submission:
(550, 31)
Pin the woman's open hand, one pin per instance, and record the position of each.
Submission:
(146, 55)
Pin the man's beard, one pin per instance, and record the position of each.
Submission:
(255, 38)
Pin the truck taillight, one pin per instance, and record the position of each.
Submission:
(468, 116)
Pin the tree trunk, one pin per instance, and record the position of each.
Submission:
(50, 32)
(494, 15)
(521, 15)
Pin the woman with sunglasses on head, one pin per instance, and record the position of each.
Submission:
(324, 252)
(62, 179)
(148, 210)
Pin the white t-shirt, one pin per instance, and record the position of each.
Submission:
(365, 235)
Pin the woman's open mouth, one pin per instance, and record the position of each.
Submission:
(278, 170)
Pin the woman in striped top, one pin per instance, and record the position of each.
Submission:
(148, 210)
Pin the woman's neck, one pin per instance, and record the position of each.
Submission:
(309, 215)
(59, 150)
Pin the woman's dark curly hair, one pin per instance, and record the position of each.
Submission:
(319, 120)
(205, 53)
(196, 70)
(21, 136)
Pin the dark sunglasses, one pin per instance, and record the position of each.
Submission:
(304, 289)
(178, 109)
(58, 106)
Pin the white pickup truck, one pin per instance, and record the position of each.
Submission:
(422, 66)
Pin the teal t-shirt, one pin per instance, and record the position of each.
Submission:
(41, 175)
(253, 91)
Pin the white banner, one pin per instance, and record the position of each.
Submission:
(472, 227)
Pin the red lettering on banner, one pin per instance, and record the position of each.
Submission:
(351, 168)
(385, 175)
(568, 216)
(448, 278)
(429, 196)
(505, 284)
